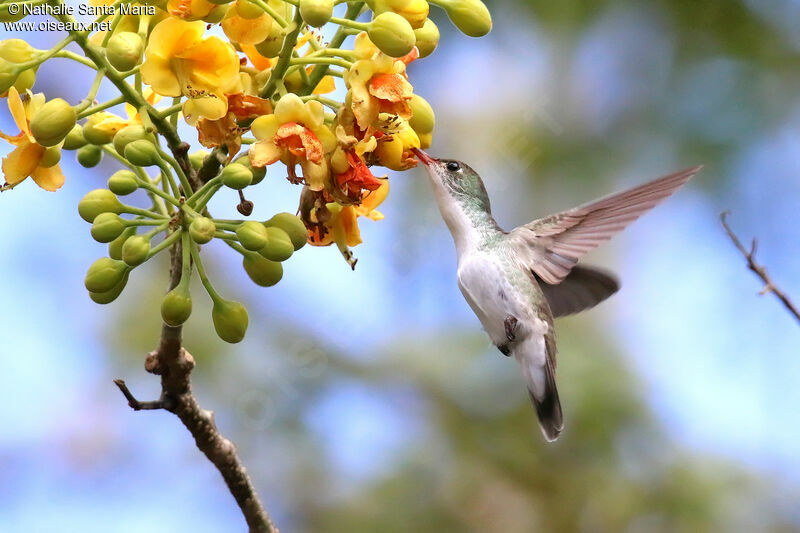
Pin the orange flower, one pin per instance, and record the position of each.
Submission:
(29, 159)
(357, 177)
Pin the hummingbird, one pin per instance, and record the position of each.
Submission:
(518, 281)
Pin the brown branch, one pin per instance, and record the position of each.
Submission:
(758, 270)
(174, 364)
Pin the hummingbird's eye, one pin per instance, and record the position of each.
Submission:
(453, 166)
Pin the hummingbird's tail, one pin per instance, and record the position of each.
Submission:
(539, 371)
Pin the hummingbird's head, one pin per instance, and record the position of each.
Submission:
(456, 179)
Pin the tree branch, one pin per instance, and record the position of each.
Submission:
(759, 270)
(174, 364)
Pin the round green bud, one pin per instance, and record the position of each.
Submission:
(74, 138)
(104, 275)
(263, 272)
(127, 135)
(271, 46)
(107, 227)
(109, 296)
(123, 182)
(248, 10)
(279, 246)
(95, 135)
(17, 50)
(115, 246)
(423, 118)
(230, 320)
(237, 176)
(89, 156)
(50, 157)
(316, 12)
(216, 15)
(25, 80)
(427, 38)
(252, 235)
(8, 75)
(96, 202)
(141, 153)
(293, 227)
(259, 173)
(176, 307)
(124, 50)
(202, 230)
(52, 122)
(197, 158)
(470, 16)
(135, 250)
(392, 34)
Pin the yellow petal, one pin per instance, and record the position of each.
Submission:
(21, 162)
(316, 176)
(264, 153)
(157, 73)
(17, 109)
(50, 179)
(265, 127)
(212, 107)
(325, 86)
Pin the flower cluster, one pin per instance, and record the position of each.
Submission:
(260, 86)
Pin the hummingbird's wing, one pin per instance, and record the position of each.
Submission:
(583, 288)
(552, 246)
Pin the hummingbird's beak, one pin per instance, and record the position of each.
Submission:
(422, 156)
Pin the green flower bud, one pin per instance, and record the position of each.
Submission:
(123, 182)
(392, 34)
(25, 80)
(236, 176)
(127, 135)
(316, 12)
(115, 246)
(135, 250)
(141, 153)
(89, 156)
(202, 230)
(427, 38)
(94, 134)
(17, 50)
(197, 158)
(74, 138)
(263, 272)
(107, 227)
(230, 320)
(423, 118)
(176, 307)
(470, 16)
(279, 246)
(293, 227)
(109, 296)
(248, 10)
(52, 122)
(252, 235)
(258, 173)
(8, 75)
(51, 157)
(96, 202)
(271, 46)
(124, 50)
(216, 15)
(104, 275)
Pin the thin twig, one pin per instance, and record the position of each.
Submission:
(174, 364)
(759, 270)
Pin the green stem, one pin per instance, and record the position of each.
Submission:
(309, 60)
(353, 10)
(201, 271)
(333, 104)
(166, 243)
(271, 12)
(66, 54)
(170, 110)
(284, 57)
(348, 23)
(100, 107)
(142, 212)
(187, 188)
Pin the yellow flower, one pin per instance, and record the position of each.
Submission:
(295, 134)
(190, 9)
(244, 30)
(378, 84)
(29, 158)
(395, 147)
(178, 61)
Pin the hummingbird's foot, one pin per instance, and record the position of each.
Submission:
(510, 324)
